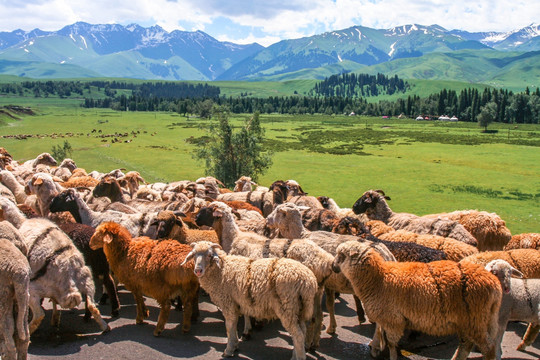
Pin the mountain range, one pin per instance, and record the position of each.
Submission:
(411, 51)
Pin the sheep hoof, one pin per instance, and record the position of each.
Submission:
(157, 333)
(227, 355)
(246, 337)
(521, 347)
(106, 330)
(139, 322)
(331, 330)
(362, 320)
(115, 313)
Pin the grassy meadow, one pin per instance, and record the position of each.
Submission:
(425, 167)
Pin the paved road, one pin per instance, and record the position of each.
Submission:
(79, 340)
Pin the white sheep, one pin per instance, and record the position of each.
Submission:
(262, 289)
(15, 275)
(520, 302)
(58, 272)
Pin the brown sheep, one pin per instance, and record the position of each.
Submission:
(488, 228)
(151, 268)
(80, 181)
(525, 260)
(524, 241)
(170, 226)
(438, 298)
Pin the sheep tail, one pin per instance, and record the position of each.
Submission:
(306, 301)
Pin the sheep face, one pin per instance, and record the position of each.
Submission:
(205, 217)
(324, 201)
(45, 159)
(368, 201)
(503, 271)
(65, 201)
(165, 221)
(349, 226)
(204, 254)
(280, 191)
(351, 254)
(107, 187)
(280, 215)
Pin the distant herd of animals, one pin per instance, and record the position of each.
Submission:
(259, 252)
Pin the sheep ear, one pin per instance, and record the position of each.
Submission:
(517, 273)
(188, 257)
(216, 246)
(37, 181)
(494, 272)
(217, 213)
(236, 213)
(57, 179)
(107, 239)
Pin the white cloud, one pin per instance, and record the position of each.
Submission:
(271, 20)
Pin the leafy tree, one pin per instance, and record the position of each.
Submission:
(204, 109)
(488, 114)
(228, 154)
(61, 153)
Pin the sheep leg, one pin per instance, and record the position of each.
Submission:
(8, 330)
(142, 311)
(231, 321)
(22, 348)
(530, 336)
(246, 334)
(378, 343)
(163, 316)
(463, 350)
(96, 315)
(108, 282)
(298, 335)
(359, 310)
(55, 318)
(392, 338)
(37, 313)
(330, 300)
(313, 333)
(190, 299)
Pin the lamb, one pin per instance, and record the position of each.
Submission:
(454, 250)
(153, 268)
(264, 200)
(58, 272)
(330, 204)
(70, 200)
(263, 289)
(438, 298)
(15, 276)
(488, 228)
(45, 188)
(80, 181)
(244, 184)
(170, 226)
(524, 241)
(297, 196)
(520, 302)
(131, 181)
(525, 260)
(65, 170)
(373, 203)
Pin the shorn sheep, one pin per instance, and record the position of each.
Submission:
(262, 289)
(438, 298)
(373, 203)
(151, 268)
(520, 302)
(15, 276)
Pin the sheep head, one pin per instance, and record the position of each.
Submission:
(368, 201)
(165, 222)
(348, 226)
(280, 190)
(352, 254)
(294, 189)
(503, 271)
(107, 186)
(204, 254)
(45, 159)
(105, 234)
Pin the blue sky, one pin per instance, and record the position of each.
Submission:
(269, 21)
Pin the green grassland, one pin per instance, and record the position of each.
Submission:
(425, 167)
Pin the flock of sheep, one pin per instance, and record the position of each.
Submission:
(259, 252)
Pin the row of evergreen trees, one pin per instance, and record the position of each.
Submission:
(510, 108)
(359, 85)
